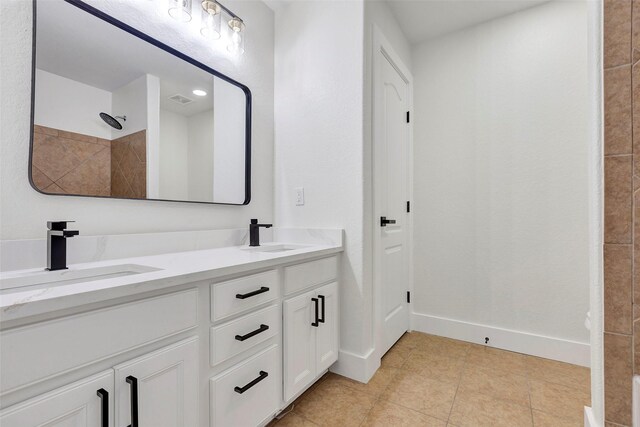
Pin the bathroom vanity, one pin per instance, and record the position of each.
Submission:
(218, 337)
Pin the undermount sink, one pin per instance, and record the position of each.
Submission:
(71, 276)
(274, 247)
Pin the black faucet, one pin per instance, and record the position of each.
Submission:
(57, 244)
(254, 232)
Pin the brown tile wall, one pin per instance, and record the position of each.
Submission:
(70, 163)
(129, 166)
(622, 206)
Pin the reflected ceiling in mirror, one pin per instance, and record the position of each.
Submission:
(118, 114)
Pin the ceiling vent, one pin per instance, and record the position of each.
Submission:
(180, 99)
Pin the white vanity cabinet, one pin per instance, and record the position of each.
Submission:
(85, 403)
(157, 389)
(160, 388)
(310, 337)
(229, 352)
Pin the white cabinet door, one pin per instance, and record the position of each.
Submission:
(163, 385)
(76, 405)
(299, 344)
(327, 331)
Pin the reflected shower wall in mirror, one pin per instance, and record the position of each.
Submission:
(117, 116)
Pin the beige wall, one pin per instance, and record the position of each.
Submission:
(622, 207)
(70, 163)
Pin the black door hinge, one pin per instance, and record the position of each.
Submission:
(408, 296)
(407, 117)
(408, 206)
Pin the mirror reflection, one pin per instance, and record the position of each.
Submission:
(134, 122)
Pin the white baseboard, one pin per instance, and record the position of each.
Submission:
(355, 366)
(589, 418)
(521, 342)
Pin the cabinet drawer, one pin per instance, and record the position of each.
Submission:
(247, 395)
(41, 350)
(245, 293)
(251, 330)
(301, 276)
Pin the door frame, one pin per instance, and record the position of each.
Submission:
(382, 47)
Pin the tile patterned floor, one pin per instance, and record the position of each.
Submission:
(427, 380)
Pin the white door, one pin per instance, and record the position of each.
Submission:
(86, 403)
(327, 330)
(391, 186)
(299, 343)
(163, 385)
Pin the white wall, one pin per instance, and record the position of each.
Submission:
(130, 100)
(501, 173)
(24, 212)
(186, 156)
(174, 156)
(153, 136)
(318, 123)
(201, 159)
(66, 104)
(229, 110)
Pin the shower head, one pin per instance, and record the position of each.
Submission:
(112, 121)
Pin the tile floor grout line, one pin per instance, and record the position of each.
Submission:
(526, 370)
(464, 363)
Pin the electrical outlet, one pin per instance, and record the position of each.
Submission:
(300, 196)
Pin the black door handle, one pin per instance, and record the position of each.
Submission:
(104, 407)
(134, 400)
(241, 390)
(315, 302)
(384, 221)
(321, 319)
(261, 329)
(262, 290)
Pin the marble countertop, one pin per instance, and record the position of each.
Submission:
(172, 269)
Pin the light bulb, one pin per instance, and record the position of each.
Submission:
(236, 42)
(210, 27)
(180, 10)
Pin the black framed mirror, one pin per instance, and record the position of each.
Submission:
(119, 114)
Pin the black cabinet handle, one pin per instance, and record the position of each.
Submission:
(241, 390)
(315, 302)
(261, 329)
(104, 407)
(384, 221)
(262, 290)
(321, 319)
(134, 400)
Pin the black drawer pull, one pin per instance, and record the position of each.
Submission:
(241, 390)
(134, 400)
(104, 407)
(262, 328)
(262, 290)
(321, 319)
(315, 303)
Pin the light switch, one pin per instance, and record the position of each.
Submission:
(300, 196)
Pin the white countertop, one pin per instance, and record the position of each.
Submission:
(173, 269)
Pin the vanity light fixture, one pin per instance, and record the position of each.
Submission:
(236, 44)
(210, 23)
(180, 10)
(199, 92)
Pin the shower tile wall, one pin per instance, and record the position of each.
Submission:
(70, 163)
(622, 206)
(128, 166)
